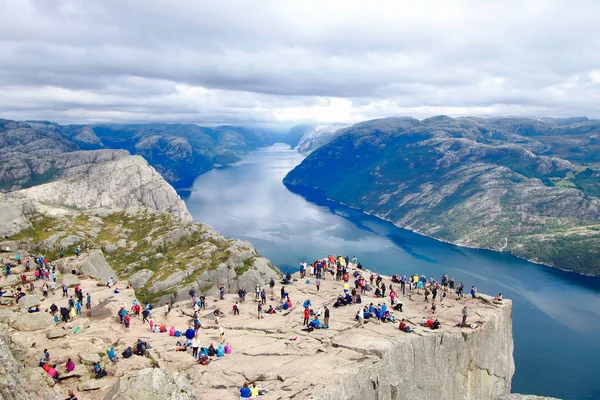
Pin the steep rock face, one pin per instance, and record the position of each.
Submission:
(123, 183)
(14, 215)
(149, 384)
(454, 365)
(459, 181)
(17, 381)
(317, 136)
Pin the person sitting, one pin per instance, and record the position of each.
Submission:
(423, 322)
(70, 365)
(112, 356)
(429, 323)
(211, 350)
(99, 372)
(498, 298)
(33, 309)
(72, 396)
(245, 392)
(53, 372)
(315, 323)
(404, 327)
(163, 328)
(358, 299)
(398, 306)
(220, 350)
(348, 298)
(436, 324)
(271, 310)
(378, 292)
(172, 331)
(227, 348)
(140, 347)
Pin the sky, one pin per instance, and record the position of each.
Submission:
(200, 61)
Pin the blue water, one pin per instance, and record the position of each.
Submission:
(556, 315)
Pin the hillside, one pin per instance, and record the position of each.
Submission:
(476, 182)
(34, 152)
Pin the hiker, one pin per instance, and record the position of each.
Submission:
(498, 298)
(99, 372)
(326, 317)
(72, 396)
(263, 296)
(110, 282)
(211, 350)
(145, 315)
(222, 292)
(272, 285)
(189, 336)
(202, 301)
(465, 313)
(404, 327)
(236, 309)
(245, 392)
(112, 355)
(361, 317)
(436, 324)
(473, 294)
(220, 350)
(195, 345)
(260, 310)
(306, 316)
(70, 365)
(126, 321)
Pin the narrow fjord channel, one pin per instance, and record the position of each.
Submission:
(556, 316)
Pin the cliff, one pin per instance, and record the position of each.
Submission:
(466, 181)
(120, 184)
(375, 362)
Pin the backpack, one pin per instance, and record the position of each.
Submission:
(127, 353)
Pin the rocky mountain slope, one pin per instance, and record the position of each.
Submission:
(34, 152)
(144, 229)
(312, 137)
(471, 181)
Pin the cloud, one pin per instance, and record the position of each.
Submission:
(270, 61)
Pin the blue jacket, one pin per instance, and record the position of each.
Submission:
(189, 333)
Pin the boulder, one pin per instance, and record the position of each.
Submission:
(6, 301)
(30, 300)
(89, 358)
(7, 316)
(150, 384)
(56, 333)
(110, 248)
(140, 278)
(33, 321)
(79, 371)
(95, 265)
(10, 280)
(175, 236)
(93, 384)
(70, 241)
(70, 280)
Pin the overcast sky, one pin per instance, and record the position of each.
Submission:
(278, 61)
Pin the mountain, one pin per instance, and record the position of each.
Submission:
(477, 182)
(179, 152)
(306, 138)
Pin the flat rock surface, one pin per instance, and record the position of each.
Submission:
(273, 351)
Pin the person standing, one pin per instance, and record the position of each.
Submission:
(260, 310)
(195, 346)
(465, 313)
(306, 315)
(361, 318)
(88, 301)
(326, 317)
(473, 294)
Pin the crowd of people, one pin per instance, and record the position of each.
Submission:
(355, 283)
